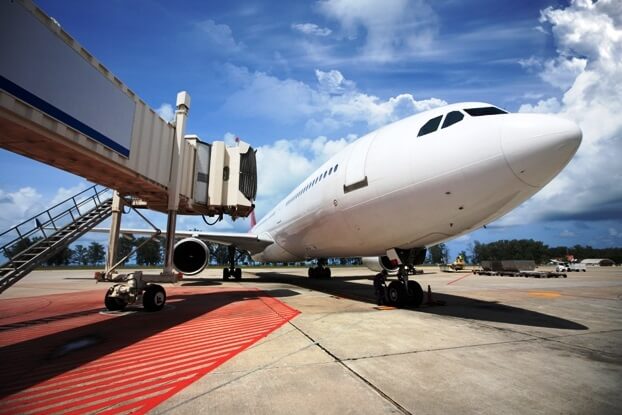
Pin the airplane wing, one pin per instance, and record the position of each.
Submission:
(244, 241)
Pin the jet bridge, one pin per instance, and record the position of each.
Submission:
(61, 106)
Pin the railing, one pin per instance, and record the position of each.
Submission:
(52, 219)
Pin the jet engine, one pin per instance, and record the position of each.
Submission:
(378, 263)
(190, 256)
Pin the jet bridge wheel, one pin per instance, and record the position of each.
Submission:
(154, 297)
(113, 303)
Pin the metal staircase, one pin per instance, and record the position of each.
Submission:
(51, 231)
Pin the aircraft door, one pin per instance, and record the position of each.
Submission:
(355, 176)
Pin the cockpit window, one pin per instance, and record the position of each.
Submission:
(477, 112)
(430, 126)
(452, 118)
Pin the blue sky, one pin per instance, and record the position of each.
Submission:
(299, 80)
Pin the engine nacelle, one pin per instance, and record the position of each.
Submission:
(378, 263)
(190, 256)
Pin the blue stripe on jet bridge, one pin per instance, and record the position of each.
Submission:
(60, 115)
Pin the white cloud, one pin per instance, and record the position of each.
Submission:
(389, 28)
(547, 106)
(559, 72)
(63, 194)
(562, 72)
(333, 103)
(590, 188)
(285, 163)
(333, 82)
(312, 29)
(166, 111)
(218, 36)
(18, 206)
(566, 234)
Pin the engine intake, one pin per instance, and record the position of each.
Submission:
(378, 263)
(190, 256)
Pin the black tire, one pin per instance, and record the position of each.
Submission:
(154, 298)
(396, 294)
(415, 293)
(326, 273)
(113, 303)
(312, 272)
(226, 274)
(237, 274)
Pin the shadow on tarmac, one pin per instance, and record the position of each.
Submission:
(30, 362)
(456, 306)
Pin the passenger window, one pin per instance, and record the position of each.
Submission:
(452, 118)
(336, 165)
(430, 126)
(325, 173)
(330, 171)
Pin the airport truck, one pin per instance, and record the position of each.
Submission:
(566, 267)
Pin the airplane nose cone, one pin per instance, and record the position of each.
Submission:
(537, 146)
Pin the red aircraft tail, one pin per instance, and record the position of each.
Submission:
(253, 219)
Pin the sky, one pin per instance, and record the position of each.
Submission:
(299, 80)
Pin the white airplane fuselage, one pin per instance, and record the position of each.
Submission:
(394, 189)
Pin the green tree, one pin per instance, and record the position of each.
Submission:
(61, 258)
(150, 253)
(21, 245)
(219, 253)
(124, 247)
(96, 254)
(80, 255)
(438, 254)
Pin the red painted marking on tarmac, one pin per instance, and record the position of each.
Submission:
(133, 362)
(458, 279)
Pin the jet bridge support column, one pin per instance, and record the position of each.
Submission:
(115, 228)
(181, 117)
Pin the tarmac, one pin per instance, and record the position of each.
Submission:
(280, 343)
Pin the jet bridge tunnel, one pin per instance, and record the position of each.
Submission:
(61, 106)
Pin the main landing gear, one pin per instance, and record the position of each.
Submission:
(404, 292)
(320, 271)
(232, 271)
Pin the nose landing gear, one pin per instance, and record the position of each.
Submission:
(404, 292)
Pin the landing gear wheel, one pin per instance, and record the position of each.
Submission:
(415, 293)
(237, 274)
(154, 297)
(113, 303)
(326, 273)
(312, 273)
(226, 274)
(396, 293)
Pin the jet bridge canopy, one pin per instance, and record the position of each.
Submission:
(61, 106)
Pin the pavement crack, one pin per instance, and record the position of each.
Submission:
(354, 372)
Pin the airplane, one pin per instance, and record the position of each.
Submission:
(417, 182)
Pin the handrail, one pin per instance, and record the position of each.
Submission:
(40, 226)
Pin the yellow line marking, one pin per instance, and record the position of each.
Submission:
(544, 294)
(384, 307)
